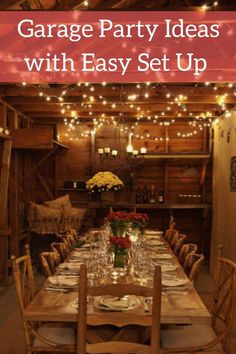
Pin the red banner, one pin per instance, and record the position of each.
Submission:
(117, 46)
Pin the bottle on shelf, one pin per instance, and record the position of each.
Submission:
(152, 197)
(145, 194)
(161, 197)
(139, 198)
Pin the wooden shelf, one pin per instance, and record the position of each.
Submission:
(72, 190)
(95, 205)
(178, 156)
(57, 143)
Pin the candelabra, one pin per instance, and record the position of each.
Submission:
(119, 156)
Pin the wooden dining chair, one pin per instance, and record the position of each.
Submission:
(69, 241)
(170, 235)
(177, 243)
(192, 265)
(119, 319)
(185, 250)
(60, 248)
(49, 262)
(208, 338)
(39, 337)
(24, 277)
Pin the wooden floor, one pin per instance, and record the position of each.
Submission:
(11, 332)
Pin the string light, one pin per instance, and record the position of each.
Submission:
(209, 6)
(179, 101)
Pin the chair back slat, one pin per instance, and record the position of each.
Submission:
(192, 265)
(117, 290)
(177, 243)
(49, 261)
(185, 250)
(170, 234)
(60, 248)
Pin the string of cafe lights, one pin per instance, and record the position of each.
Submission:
(204, 7)
(210, 6)
(198, 122)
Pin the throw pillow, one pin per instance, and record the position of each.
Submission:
(59, 203)
(43, 212)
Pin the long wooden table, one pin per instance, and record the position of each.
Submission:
(184, 307)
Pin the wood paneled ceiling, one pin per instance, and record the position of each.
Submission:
(88, 101)
(112, 4)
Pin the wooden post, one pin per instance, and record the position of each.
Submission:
(202, 180)
(14, 191)
(3, 116)
(4, 180)
(13, 119)
(93, 154)
(205, 145)
(14, 203)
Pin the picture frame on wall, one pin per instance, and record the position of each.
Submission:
(233, 174)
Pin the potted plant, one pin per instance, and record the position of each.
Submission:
(105, 183)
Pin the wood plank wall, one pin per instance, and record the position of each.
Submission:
(183, 176)
(19, 192)
(176, 176)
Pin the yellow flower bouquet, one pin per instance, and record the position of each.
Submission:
(104, 181)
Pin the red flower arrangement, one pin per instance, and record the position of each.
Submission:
(128, 217)
(138, 219)
(118, 216)
(120, 220)
(120, 244)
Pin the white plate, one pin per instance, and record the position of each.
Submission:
(154, 243)
(111, 303)
(75, 266)
(61, 280)
(81, 255)
(153, 232)
(161, 256)
(152, 237)
(174, 282)
(168, 268)
(86, 245)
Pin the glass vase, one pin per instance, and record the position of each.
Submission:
(119, 230)
(120, 260)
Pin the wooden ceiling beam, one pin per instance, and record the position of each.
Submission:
(202, 99)
(84, 114)
(158, 8)
(76, 5)
(199, 107)
(131, 120)
(112, 91)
